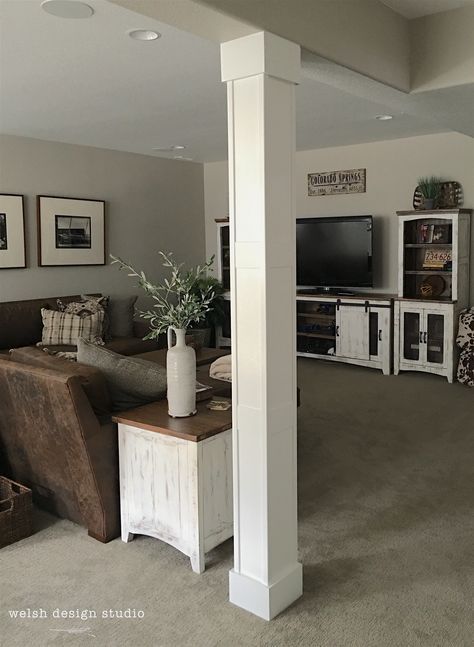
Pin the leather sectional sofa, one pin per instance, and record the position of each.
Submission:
(21, 325)
(56, 434)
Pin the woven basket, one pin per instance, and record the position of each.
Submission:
(15, 511)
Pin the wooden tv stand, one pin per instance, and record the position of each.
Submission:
(355, 329)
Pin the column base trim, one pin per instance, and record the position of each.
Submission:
(263, 600)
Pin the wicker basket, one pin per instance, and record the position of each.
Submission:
(15, 511)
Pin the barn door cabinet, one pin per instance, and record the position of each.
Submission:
(433, 288)
(354, 330)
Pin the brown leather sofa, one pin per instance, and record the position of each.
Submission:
(54, 441)
(56, 434)
(21, 325)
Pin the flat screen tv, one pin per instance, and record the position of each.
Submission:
(334, 252)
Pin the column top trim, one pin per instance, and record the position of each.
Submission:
(260, 53)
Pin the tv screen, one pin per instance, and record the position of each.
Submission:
(334, 252)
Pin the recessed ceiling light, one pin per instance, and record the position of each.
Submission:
(169, 149)
(181, 158)
(384, 117)
(67, 8)
(144, 34)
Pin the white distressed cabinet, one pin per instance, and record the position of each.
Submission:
(176, 478)
(425, 337)
(355, 330)
(426, 323)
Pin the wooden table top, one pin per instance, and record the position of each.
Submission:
(361, 296)
(154, 417)
(203, 355)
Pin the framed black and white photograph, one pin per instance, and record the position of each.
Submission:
(71, 231)
(12, 232)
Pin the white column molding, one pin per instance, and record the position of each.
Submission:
(261, 71)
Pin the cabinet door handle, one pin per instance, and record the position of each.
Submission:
(421, 337)
(337, 331)
(425, 337)
(380, 335)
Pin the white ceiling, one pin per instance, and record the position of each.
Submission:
(416, 8)
(86, 82)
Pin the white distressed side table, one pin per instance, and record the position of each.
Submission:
(176, 478)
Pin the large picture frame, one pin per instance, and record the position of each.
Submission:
(12, 232)
(71, 231)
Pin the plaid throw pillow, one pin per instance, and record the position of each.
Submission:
(64, 329)
(88, 305)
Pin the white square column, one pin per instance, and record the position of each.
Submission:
(261, 71)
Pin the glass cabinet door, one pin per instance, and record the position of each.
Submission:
(225, 256)
(412, 335)
(434, 338)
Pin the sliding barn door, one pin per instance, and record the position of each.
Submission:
(352, 332)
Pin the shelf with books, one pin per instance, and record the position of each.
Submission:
(426, 245)
(429, 271)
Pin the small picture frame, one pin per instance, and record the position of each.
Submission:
(12, 232)
(71, 231)
(441, 234)
(425, 233)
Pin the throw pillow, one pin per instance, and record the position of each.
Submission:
(132, 381)
(88, 305)
(121, 311)
(62, 328)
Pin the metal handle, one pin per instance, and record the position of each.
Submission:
(421, 337)
(425, 337)
(337, 331)
(380, 335)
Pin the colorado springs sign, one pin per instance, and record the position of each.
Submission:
(336, 182)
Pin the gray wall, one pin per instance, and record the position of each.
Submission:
(151, 204)
(393, 168)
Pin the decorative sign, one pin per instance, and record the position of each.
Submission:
(337, 182)
(437, 258)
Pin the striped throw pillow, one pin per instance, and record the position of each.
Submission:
(64, 329)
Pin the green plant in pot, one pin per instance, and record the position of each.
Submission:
(430, 189)
(215, 315)
(177, 304)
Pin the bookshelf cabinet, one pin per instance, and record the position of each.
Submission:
(433, 287)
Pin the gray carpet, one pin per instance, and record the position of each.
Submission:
(386, 538)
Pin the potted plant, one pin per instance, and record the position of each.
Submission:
(215, 316)
(430, 188)
(177, 304)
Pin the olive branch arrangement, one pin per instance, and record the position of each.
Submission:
(177, 304)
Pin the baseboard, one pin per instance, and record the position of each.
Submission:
(266, 601)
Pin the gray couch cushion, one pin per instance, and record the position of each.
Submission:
(132, 381)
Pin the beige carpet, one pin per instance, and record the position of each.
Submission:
(386, 538)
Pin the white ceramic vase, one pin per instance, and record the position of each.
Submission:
(181, 376)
